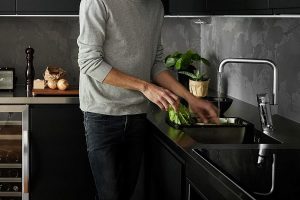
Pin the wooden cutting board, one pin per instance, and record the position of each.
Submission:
(56, 92)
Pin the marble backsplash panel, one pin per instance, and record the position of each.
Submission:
(263, 38)
(54, 41)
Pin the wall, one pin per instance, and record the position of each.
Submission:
(180, 35)
(54, 41)
(265, 38)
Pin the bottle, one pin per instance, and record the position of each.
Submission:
(29, 74)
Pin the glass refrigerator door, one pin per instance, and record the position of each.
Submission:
(14, 149)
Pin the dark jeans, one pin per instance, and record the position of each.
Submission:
(115, 147)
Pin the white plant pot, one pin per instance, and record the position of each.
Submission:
(199, 88)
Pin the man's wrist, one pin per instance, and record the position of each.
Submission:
(188, 96)
(143, 86)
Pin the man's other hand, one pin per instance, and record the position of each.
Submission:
(161, 97)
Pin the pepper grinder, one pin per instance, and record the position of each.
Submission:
(29, 74)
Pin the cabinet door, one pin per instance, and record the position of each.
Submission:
(256, 4)
(165, 173)
(284, 3)
(59, 166)
(238, 6)
(192, 192)
(285, 6)
(187, 7)
(166, 6)
(7, 7)
(216, 5)
(48, 6)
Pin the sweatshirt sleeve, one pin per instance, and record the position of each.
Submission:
(92, 22)
(159, 64)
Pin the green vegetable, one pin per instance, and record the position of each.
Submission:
(181, 117)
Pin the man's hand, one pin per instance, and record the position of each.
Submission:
(161, 97)
(204, 110)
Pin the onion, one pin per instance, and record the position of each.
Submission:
(52, 84)
(62, 84)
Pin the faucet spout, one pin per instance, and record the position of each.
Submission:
(256, 61)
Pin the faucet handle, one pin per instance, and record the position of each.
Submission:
(265, 112)
(263, 98)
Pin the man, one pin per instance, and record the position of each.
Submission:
(119, 55)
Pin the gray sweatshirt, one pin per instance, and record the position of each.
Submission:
(121, 34)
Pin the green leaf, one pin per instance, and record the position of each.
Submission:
(179, 63)
(176, 55)
(206, 62)
(184, 62)
(170, 62)
(181, 117)
(196, 57)
(169, 56)
(189, 74)
(189, 53)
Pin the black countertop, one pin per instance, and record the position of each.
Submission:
(235, 165)
(18, 96)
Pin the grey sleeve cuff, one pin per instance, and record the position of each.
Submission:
(91, 62)
(100, 72)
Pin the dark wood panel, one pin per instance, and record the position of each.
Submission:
(55, 92)
(287, 11)
(59, 167)
(187, 7)
(7, 6)
(165, 173)
(284, 3)
(256, 4)
(48, 6)
(225, 5)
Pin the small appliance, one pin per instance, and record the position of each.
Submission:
(7, 76)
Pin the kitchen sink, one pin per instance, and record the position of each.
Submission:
(230, 131)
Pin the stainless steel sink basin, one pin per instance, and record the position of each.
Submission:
(230, 131)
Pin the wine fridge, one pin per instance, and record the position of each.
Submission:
(14, 150)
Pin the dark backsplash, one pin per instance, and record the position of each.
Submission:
(264, 38)
(54, 41)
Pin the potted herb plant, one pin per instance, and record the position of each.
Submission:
(184, 62)
(198, 82)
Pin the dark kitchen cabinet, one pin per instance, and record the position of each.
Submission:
(7, 7)
(284, 3)
(192, 192)
(45, 7)
(59, 167)
(187, 7)
(238, 7)
(165, 172)
(285, 6)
